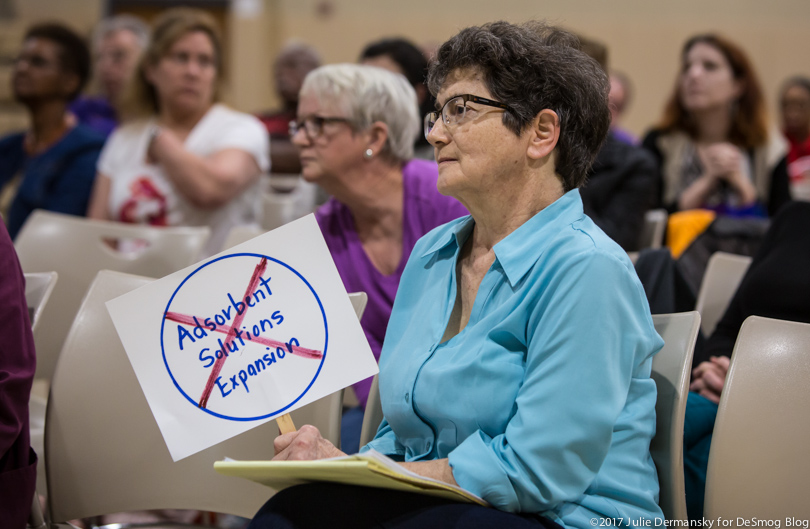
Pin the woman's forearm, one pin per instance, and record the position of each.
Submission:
(208, 182)
(696, 194)
(438, 469)
(744, 188)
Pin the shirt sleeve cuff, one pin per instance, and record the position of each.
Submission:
(477, 469)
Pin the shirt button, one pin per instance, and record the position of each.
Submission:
(407, 397)
(429, 444)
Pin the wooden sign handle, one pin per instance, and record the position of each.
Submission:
(285, 423)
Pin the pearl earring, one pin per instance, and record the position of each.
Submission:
(368, 154)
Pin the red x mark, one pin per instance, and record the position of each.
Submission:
(233, 329)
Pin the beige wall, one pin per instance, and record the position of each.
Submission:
(644, 36)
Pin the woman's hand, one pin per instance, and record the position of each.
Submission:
(721, 159)
(708, 378)
(306, 444)
(724, 162)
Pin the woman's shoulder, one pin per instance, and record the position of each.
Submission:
(221, 115)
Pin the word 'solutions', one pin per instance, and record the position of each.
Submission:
(250, 331)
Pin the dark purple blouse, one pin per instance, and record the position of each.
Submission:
(18, 463)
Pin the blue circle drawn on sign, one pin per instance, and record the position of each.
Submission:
(320, 366)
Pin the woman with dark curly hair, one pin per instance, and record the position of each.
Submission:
(517, 359)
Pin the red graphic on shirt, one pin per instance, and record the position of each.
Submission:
(146, 205)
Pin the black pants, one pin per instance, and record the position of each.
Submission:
(320, 505)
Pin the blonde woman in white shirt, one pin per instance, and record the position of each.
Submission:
(181, 158)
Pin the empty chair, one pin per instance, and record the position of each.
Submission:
(670, 371)
(104, 449)
(77, 248)
(723, 275)
(758, 464)
(654, 229)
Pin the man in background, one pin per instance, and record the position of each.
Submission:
(292, 65)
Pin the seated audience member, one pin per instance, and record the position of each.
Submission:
(712, 144)
(353, 132)
(488, 378)
(182, 159)
(403, 57)
(52, 165)
(622, 183)
(776, 285)
(621, 92)
(795, 104)
(117, 46)
(293, 64)
(18, 462)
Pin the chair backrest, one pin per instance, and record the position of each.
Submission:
(281, 208)
(240, 234)
(758, 462)
(670, 371)
(104, 450)
(723, 275)
(75, 248)
(38, 288)
(654, 229)
(373, 415)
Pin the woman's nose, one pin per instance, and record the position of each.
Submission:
(300, 138)
(437, 135)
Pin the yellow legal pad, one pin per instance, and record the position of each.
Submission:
(370, 469)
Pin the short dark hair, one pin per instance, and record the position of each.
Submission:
(531, 67)
(74, 56)
(404, 53)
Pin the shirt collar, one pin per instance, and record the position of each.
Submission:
(519, 250)
(456, 236)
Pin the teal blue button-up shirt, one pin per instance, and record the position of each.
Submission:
(543, 403)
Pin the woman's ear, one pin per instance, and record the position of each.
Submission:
(377, 137)
(545, 133)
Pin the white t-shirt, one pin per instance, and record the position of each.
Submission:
(141, 193)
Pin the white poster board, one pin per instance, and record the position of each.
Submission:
(252, 333)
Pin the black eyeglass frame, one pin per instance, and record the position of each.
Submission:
(318, 122)
(466, 98)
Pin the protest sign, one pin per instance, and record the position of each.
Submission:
(243, 337)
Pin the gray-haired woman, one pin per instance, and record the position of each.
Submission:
(354, 131)
(517, 358)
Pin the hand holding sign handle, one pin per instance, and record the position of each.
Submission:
(285, 424)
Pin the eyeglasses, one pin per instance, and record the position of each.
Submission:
(455, 109)
(313, 125)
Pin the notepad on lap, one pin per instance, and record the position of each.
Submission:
(370, 469)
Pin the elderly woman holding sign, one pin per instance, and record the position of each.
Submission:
(517, 360)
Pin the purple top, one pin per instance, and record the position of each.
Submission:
(95, 112)
(18, 463)
(423, 209)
